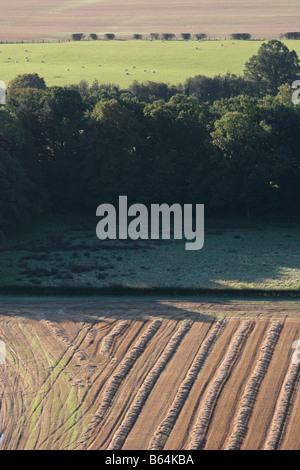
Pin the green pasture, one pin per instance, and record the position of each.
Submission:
(106, 61)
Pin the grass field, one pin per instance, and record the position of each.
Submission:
(173, 61)
(107, 374)
(68, 253)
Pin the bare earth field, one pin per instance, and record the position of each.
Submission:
(31, 19)
(149, 374)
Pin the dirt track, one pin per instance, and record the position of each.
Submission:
(179, 308)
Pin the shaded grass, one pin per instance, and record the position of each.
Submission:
(120, 290)
(247, 259)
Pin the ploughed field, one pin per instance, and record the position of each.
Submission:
(149, 374)
(23, 20)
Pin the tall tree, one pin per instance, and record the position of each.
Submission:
(242, 173)
(272, 66)
(26, 80)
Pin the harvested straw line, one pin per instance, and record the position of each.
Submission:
(61, 335)
(144, 391)
(58, 332)
(164, 429)
(197, 439)
(122, 370)
(107, 342)
(282, 406)
(240, 424)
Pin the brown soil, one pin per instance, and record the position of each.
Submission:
(138, 374)
(22, 20)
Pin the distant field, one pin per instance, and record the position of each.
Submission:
(172, 61)
(108, 374)
(31, 19)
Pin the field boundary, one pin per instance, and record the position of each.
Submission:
(119, 290)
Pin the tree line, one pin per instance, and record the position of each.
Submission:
(163, 36)
(229, 142)
(184, 36)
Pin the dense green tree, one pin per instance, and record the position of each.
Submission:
(14, 203)
(210, 89)
(109, 36)
(92, 94)
(242, 169)
(26, 80)
(77, 36)
(284, 95)
(177, 134)
(292, 35)
(111, 152)
(168, 36)
(61, 121)
(153, 91)
(284, 143)
(221, 141)
(241, 36)
(272, 66)
(20, 196)
(186, 36)
(200, 36)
